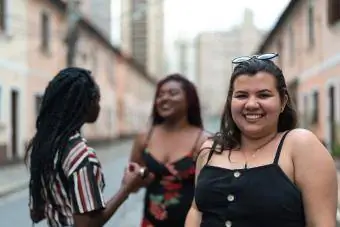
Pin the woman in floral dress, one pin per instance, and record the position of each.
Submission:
(169, 149)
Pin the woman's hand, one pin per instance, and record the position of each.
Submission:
(136, 177)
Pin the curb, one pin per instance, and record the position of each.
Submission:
(13, 188)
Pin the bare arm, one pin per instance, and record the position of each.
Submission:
(99, 217)
(137, 149)
(84, 186)
(315, 175)
(194, 216)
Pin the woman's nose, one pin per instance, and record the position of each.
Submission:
(252, 103)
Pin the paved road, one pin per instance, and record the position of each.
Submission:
(14, 212)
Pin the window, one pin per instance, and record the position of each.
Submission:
(3, 13)
(38, 100)
(333, 11)
(315, 116)
(45, 31)
(311, 23)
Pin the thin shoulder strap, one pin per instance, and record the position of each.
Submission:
(279, 148)
(211, 151)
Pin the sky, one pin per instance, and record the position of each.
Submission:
(186, 18)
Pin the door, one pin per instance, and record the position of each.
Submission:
(14, 123)
(332, 123)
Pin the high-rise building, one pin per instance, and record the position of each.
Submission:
(142, 33)
(214, 53)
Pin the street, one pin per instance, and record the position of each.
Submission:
(14, 211)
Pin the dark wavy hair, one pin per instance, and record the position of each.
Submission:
(194, 109)
(229, 136)
(63, 112)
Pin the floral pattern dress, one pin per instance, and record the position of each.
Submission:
(168, 198)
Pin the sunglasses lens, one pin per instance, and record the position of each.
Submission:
(240, 59)
(267, 56)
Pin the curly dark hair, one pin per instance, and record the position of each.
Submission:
(64, 109)
(194, 109)
(229, 136)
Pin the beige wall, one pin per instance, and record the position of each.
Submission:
(108, 69)
(42, 65)
(138, 100)
(26, 68)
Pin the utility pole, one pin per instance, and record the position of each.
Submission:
(73, 17)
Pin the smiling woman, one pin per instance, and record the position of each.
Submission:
(168, 149)
(268, 172)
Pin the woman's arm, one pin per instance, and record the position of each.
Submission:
(98, 217)
(315, 175)
(194, 216)
(137, 149)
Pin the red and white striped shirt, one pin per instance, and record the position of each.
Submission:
(78, 185)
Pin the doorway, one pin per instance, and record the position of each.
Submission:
(14, 123)
(332, 123)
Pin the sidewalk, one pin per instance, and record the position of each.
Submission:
(15, 177)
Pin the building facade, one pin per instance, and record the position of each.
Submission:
(214, 53)
(98, 12)
(306, 37)
(13, 70)
(36, 51)
(142, 33)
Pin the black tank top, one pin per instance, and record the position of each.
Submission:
(256, 197)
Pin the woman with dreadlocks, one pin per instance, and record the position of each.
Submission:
(66, 180)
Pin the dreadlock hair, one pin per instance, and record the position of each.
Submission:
(64, 108)
(194, 109)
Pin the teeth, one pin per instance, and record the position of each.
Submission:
(253, 116)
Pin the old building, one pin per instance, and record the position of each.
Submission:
(214, 53)
(39, 52)
(307, 38)
(13, 73)
(142, 27)
(98, 12)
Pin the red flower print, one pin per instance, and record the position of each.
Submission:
(187, 173)
(171, 186)
(158, 211)
(146, 223)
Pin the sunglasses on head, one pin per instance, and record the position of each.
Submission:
(260, 57)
